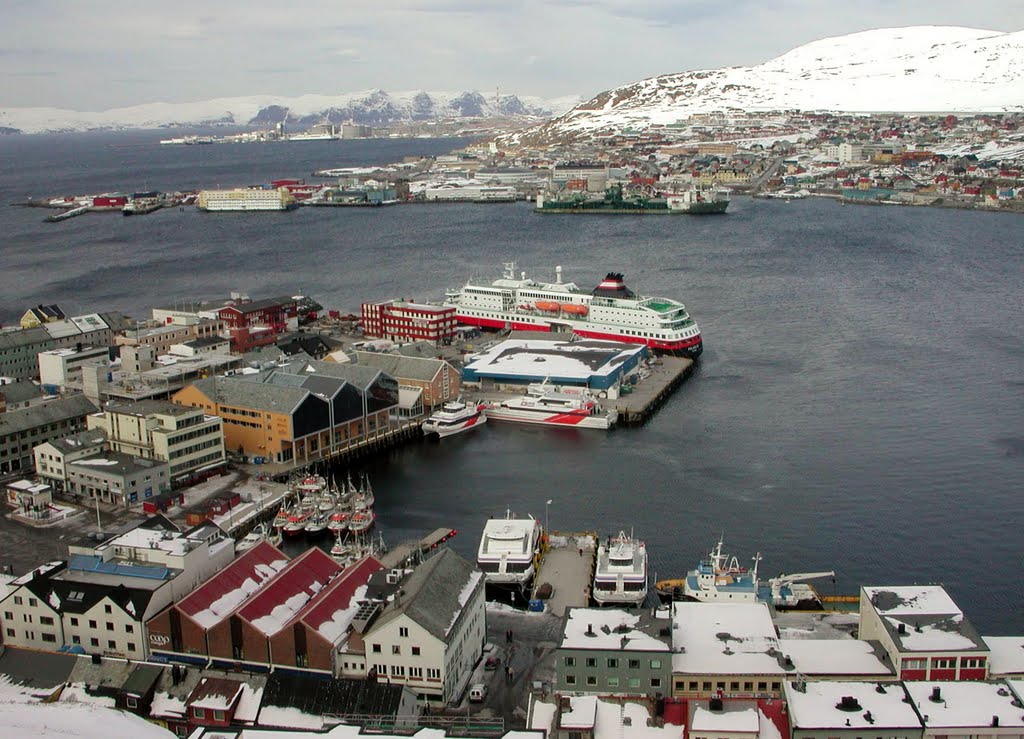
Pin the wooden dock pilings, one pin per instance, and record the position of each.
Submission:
(651, 393)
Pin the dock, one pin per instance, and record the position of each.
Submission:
(411, 552)
(568, 567)
(651, 393)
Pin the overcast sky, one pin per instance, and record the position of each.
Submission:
(98, 55)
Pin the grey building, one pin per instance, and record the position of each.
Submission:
(22, 430)
(608, 651)
(117, 478)
(19, 349)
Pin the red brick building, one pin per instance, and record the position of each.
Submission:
(198, 625)
(400, 321)
(254, 323)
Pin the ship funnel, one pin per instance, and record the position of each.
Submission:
(558, 275)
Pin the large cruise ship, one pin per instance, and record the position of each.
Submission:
(610, 311)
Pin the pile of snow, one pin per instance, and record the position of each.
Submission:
(916, 69)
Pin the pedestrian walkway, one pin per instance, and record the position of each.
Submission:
(568, 567)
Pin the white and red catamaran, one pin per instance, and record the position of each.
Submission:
(610, 311)
(549, 405)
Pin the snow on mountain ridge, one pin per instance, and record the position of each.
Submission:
(365, 106)
(915, 69)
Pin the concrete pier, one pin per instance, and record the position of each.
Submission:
(647, 396)
(568, 567)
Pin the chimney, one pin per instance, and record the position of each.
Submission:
(715, 704)
(901, 629)
(995, 721)
(936, 696)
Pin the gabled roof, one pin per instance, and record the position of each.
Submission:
(360, 376)
(331, 612)
(315, 697)
(215, 693)
(73, 596)
(253, 306)
(52, 411)
(223, 593)
(277, 603)
(435, 593)
(244, 393)
(402, 367)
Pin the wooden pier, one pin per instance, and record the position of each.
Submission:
(568, 567)
(646, 397)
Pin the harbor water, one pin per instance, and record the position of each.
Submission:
(859, 405)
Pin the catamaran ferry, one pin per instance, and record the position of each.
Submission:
(610, 311)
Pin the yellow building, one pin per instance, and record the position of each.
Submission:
(41, 314)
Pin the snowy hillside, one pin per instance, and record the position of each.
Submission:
(372, 107)
(916, 69)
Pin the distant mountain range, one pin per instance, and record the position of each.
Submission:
(917, 69)
(373, 107)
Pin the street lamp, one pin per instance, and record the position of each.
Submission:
(547, 531)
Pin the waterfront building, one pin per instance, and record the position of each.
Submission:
(610, 651)
(117, 479)
(430, 636)
(838, 659)
(102, 596)
(245, 199)
(1006, 658)
(254, 323)
(850, 710)
(190, 441)
(41, 314)
(20, 348)
(398, 320)
(601, 366)
(164, 336)
(925, 634)
(24, 429)
(438, 379)
(300, 411)
(744, 663)
(59, 368)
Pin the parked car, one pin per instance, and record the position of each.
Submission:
(492, 662)
(477, 693)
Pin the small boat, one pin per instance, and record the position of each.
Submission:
(362, 521)
(620, 578)
(551, 306)
(578, 310)
(341, 550)
(509, 551)
(297, 521)
(317, 524)
(262, 532)
(454, 418)
(338, 522)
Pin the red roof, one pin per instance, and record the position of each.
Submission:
(297, 584)
(338, 595)
(233, 585)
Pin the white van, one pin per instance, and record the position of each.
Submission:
(477, 693)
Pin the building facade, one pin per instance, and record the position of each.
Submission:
(22, 430)
(60, 367)
(117, 479)
(398, 320)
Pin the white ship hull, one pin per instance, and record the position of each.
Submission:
(546, 418)
(454, 419)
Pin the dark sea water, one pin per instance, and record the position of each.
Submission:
(859, 405)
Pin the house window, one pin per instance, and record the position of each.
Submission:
(570, 679)
(131, 647)
(17, 600)
(734, 687)
(634, 664)
(914, 664)
(198, 713)
(111, 644)
(591, 661)
(397, 671)
(570, 661)
(591, 680)
(416, 673)
(94, 642)
(762, 687)
(92, 624)
(613, 682)
(749, 687)
(655, 682)
(395, 649)
(655, 664)
(76, 639)
(129, 629)
(403, 631)
(33, 602)
(74, 621)
(693, 686)
(131, 702)
(218, 715)
(8, 615)
(705, 686)
(107, 609)
(110, 626)
(776, 687)
(415, 651)
(613, 663)
(634, 682)
(49, 638)
(376, 648)
(433, 673)
(943, 663)
(46, 621)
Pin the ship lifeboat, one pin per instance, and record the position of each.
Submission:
(549, 305)
(579, 310)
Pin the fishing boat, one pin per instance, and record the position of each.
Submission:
(262, 532)
(551, 405)
(338, 522)
(362, 521)
(620, 577)
(316, 524)
(454, 418)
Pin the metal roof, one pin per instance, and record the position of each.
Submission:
(52, 411)
(402, 367)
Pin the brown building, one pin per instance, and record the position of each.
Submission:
(438, 378)
(303, 411)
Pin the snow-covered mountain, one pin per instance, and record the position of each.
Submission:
(915, 69)
(372, 107)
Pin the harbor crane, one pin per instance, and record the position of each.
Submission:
(791, 598)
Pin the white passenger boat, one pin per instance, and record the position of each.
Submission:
(454, 418)
(262, 532)
(551, 405)
(510, 550)
(620, 578)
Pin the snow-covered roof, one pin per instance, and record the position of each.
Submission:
(612, 629)
(562, 360)
(581, 714)
(725, 639)
(911, 600)
(732, 719)
(819, 705)
(922, 618)
(215, 694)
(276, 605)
(836, 657)
(1007, 655)
(75, 721)
(333, 610)
(965, 704)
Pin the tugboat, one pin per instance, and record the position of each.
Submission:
(620, 578)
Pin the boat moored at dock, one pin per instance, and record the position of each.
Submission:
(509, 551)
(551, 405)
(454, 418)
(620, 577)
(610, 311)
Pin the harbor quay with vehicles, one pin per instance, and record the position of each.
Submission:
(640, 201)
